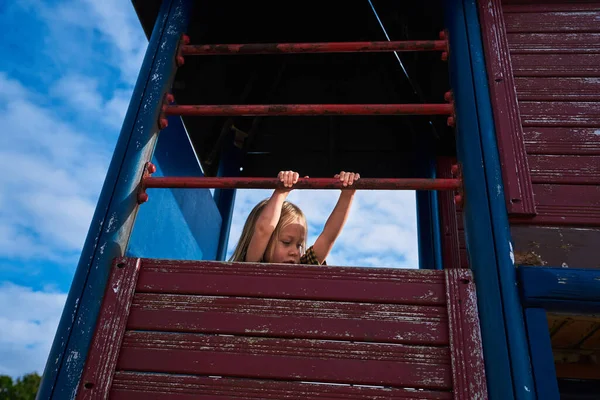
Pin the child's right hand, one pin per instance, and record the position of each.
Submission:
(289, 178)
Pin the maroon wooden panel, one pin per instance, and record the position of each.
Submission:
(560, 113)
(565, 169)
(558, 89)
(468, 372)
(507, 118)
(557, 204)
(554, 47)
(447, 209)
(546, 20)
(552, 64)
(102, 356)
(557, 140)
(287, 359)
(136, 386)
(290, 318)
(557, 246)
(396, 286)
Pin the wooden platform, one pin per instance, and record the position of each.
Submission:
(212, 330)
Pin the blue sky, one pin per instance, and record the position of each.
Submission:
(66, 74)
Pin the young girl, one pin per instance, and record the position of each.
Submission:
(276, 230)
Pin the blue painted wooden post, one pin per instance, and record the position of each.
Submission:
(507, 361)
(117, 205)
(176, 224)
(544, 372)
(229, 165)
(513, 312)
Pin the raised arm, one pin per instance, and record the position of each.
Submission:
(337, 219)
(269, 217)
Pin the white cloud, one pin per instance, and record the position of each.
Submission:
(52, 176)
(28, 320)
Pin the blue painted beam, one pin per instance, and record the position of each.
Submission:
(117, 206)
(506, 353)
(177, 224)
(540, 346)
(230, 163)
(561, 289)
(518, 348)
(476, 212)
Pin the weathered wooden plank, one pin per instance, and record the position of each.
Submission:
(556, 46)
(573, 64)
(397, 286)
(290, 318)
(102, 357)
(287, 359)
(552, 21)
(566, 205)
(558, 88)
(138, 386)
(507, 114)
(560, 113)
(529, 6)
(468, 372)
(557, 289)
(592, 342)
(557, 246)
(565, 169)
(573, 332)
(542, 140)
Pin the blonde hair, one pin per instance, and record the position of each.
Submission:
(289, 214)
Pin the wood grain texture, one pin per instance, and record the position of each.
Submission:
(290, 318)
(137, 386)
(102, 358)
(468, 370)
(565, 169)
(562, 141)
(287, 359)
(507, 114)
(394, 286)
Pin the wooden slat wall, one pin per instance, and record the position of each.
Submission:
(555, 55)
(220, 330)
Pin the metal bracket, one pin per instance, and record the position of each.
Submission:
(149, 169)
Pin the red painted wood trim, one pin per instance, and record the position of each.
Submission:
(104, 351)
(383, 323)
(374, 285)
(507, 120)
(449, 228)
(468, 371)
(136, 386)
(287, 359)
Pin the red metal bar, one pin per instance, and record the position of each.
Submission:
(310, 109)
(332, 47)
(303, 183)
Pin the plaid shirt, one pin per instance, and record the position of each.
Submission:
(310, 258)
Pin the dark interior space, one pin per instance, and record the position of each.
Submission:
(375, 146)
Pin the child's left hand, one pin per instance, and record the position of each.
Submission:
(347, 178)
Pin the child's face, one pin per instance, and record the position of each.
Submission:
(288, 246)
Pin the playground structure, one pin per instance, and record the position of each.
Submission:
(486, 109)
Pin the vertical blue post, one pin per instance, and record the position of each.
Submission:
(476, 210)
(117, 206)
(229, 165)
(513, 313)
(540, 345)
